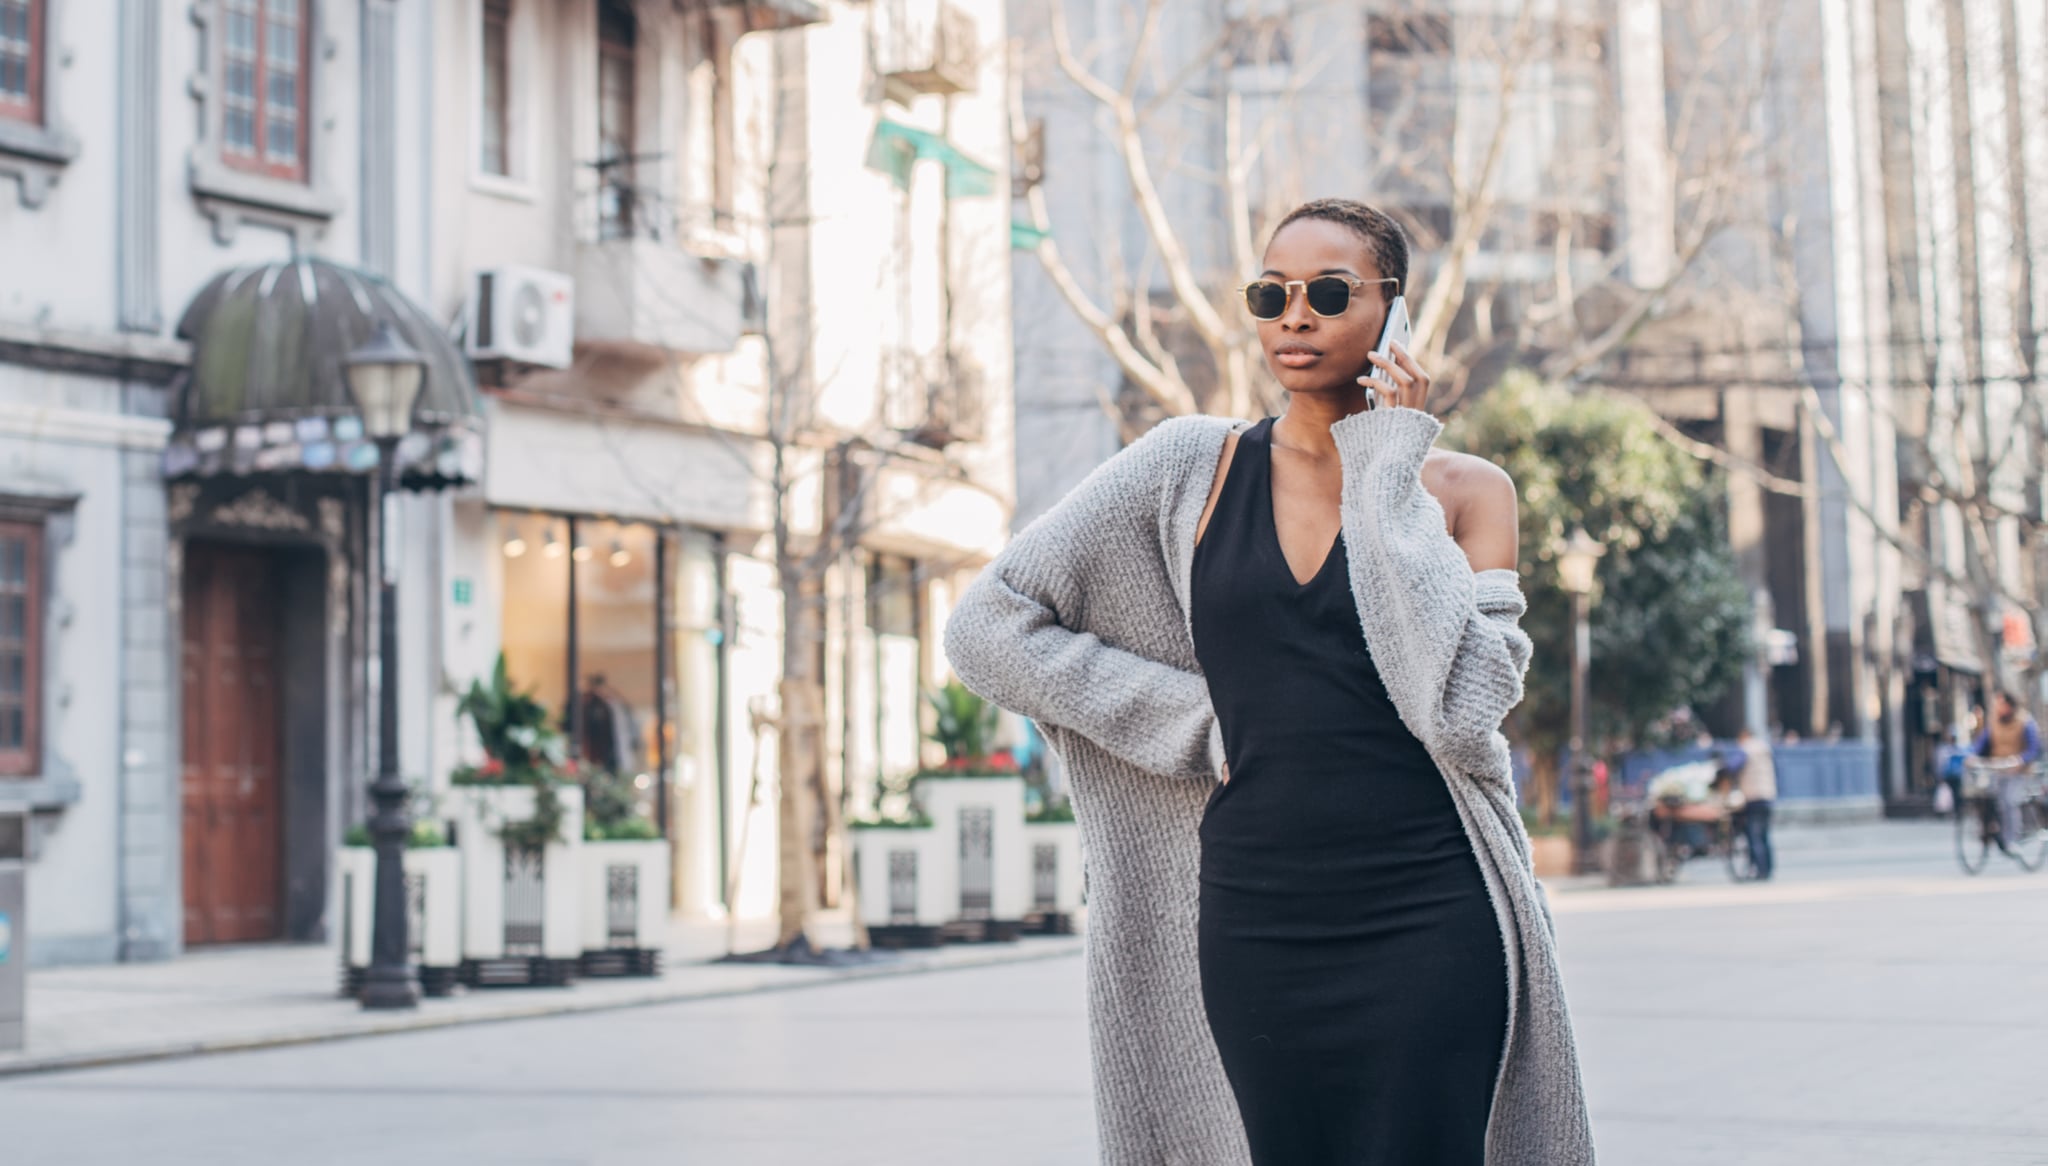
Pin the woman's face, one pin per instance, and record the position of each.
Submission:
(1308, 353)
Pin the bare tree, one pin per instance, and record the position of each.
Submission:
(1460, 105)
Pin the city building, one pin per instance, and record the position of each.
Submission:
(678, 270)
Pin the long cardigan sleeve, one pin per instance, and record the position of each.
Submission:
(1014, 637)
(1452, 635)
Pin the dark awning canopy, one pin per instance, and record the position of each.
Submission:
(266, 392)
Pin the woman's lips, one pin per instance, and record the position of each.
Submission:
(1297, 358)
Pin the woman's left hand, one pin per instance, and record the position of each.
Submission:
(1401, 382)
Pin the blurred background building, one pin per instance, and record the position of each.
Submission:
(1803, 231)
(677, 267)
(717, 302)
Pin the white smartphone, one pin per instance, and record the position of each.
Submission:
(1395, 332)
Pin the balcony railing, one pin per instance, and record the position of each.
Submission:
(933, 399)
(658, 273)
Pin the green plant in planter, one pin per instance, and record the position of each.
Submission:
(426, 835)
(965, 728)
(513, 727)
(520, 748)
(1060, 810)
(1558, 826)
(965, 725)
(915, 820)
(636, 828)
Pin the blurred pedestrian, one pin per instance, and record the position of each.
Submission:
(1757, 778)
(2009, 745)
(1315, 618)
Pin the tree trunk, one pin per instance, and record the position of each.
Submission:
(798, 759)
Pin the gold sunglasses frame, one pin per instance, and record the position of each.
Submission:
(1290, 284)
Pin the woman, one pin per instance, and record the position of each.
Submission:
(1275, 659)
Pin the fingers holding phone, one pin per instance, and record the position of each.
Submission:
(1394, 378)
(1400, 381)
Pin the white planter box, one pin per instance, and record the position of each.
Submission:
(544, 899)
(905, 878)
(1053, 861)
(625, 895)
(434, 916)
(981, 820)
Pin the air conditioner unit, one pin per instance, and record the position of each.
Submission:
(522, 314)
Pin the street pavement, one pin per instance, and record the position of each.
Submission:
(1873, 1006)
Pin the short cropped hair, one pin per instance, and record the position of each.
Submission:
(1388, 241)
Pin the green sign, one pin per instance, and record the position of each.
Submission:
(6, 936)
(465, 591)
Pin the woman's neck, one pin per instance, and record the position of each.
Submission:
(1306, 424)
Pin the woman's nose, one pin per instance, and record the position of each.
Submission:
(1297, 316)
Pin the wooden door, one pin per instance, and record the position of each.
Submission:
(232, 800)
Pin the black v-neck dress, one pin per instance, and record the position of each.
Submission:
(1352, 967)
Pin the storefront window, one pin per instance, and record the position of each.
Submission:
(603, 573)
(535, 632)
(617, 625)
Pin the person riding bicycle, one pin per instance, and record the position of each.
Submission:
(2009, 745)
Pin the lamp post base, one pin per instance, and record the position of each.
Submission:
(384, 990)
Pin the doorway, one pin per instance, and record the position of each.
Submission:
(232, 771)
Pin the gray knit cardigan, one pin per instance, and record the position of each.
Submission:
(1082, 624)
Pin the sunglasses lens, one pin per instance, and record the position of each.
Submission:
(1265, 299)
(1329, 296)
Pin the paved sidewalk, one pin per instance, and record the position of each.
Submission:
(282, 994)
(260, 996)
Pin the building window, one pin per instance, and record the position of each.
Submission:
(21, 60)
(21, 614)
(711, 120)
(893, 611)
(1408, 34)
(263, 91)
(617, 37)
(497, 91)
(1258, 41)
(581, 618)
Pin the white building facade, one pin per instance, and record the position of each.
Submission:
(643, 228)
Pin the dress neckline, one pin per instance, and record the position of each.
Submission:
(1272, 523)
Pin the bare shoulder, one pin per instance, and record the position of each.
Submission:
(1481, 510)
(1463, 478)
(1216, 486)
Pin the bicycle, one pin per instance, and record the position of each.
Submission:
(1980, 823)
(1663, 821)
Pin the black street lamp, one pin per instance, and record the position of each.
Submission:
(1575, 563)
(384, 378)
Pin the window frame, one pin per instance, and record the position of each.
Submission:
(618, 172)
(299, 170)
(26, 761)
(495, 15)
(31, 111)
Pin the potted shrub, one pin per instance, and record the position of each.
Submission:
(518, 823)
(975, 801)
(904, 871)
(433, 885)
(1052, 850)
(625, 879)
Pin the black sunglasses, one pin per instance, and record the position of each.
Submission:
(1327, 295)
